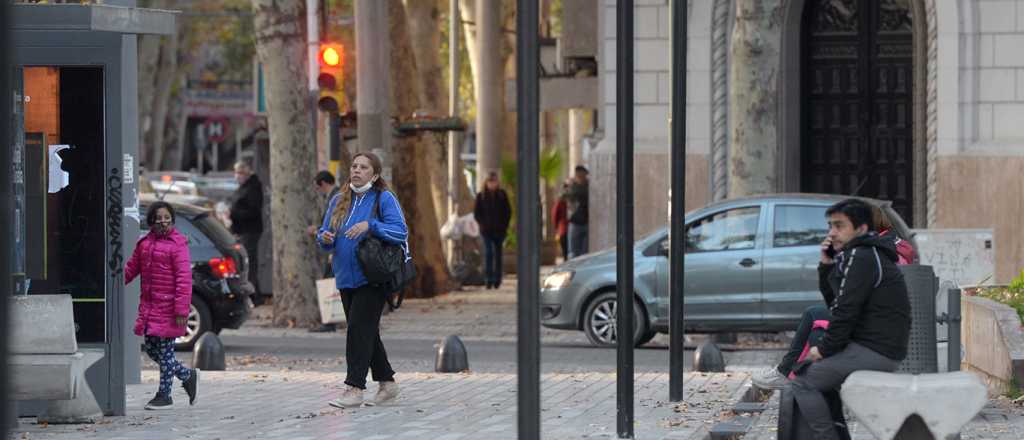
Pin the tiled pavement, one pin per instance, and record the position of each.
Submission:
(1001, 419)
(292, 405)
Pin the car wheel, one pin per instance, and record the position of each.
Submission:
(646, 338)
(599, 321)
(199, 321)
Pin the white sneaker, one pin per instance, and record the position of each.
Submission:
(387, 391)
(769, 378)
(350, 398)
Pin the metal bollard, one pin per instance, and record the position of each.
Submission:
(451, 356)
(208, 353)
(708, 358)
(953, 319)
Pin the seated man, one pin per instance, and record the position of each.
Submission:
(814, 320)
(870, 309)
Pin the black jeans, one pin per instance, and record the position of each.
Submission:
(251, 243)
(563, 241)
(803, 332)
(363, 348)
(492, 259)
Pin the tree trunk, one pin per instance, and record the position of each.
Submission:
(467, 9)
(281, 47)
(149, 53)
(754, 97)
(411, 175)
(166, 77)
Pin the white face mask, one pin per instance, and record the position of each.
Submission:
(364, 188)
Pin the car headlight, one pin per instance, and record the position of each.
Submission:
(557, 280)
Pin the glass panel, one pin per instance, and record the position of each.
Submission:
(730, 230)
(799, 226)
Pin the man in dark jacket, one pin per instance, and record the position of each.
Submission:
(324, 185)
(870, 326)
(577, 195)
(247, 216)
(493, 212)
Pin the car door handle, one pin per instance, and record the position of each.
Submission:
(747, 262)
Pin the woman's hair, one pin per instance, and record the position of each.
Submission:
(880, 220)
(341, 208)
(151, 212)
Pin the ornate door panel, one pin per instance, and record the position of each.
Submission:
(857, 96)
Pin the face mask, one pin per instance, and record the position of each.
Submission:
(364, 188)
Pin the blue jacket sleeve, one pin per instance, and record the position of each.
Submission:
(390, 225)
(326, 224)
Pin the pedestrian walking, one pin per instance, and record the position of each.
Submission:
(324, 185)
(815, 319)
(578, 197)
(492, 212)
(247, 217)
(869, 329)
(560, 219)
(364, 206)
(161, 258)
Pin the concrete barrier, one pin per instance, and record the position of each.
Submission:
(993, 343)
(883, 402)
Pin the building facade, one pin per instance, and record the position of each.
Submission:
(916, 101)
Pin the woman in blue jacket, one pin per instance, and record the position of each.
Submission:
(349, 218)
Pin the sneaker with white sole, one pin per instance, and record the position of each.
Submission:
(160, 403)
(387, 391)
(350, 398)
(769, 379)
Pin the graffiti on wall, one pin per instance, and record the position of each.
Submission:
(115, 212)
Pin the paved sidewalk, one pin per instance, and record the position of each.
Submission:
(999, 420)
(275, 405)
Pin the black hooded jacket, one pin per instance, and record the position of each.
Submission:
(247, 207)
(867, 296)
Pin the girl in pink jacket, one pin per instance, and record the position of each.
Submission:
(162, 258)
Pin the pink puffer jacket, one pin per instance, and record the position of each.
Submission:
(166, 269)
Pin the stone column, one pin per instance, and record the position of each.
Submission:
(489, 99)
(753, 109)
(578, 127)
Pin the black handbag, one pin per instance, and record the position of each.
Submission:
(385, 264)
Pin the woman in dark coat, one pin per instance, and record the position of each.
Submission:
(493, 212)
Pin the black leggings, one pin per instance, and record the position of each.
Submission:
(363, 348)
(803, 336)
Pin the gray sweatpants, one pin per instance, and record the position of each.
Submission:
(828, 374)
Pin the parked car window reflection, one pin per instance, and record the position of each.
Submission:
(728, 230)
(799, 226)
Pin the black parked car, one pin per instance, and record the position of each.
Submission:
(220, 287)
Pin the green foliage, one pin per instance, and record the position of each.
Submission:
(552, 161)
(1012, 295)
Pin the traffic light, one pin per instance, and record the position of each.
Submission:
(331, 79)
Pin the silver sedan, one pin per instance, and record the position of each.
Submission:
(751, 265)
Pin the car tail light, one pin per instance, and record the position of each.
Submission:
(237, 247)
(223, 267)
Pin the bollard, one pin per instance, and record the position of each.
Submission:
(954, 318)
(451, 356)
(208, 354)
(708, 358)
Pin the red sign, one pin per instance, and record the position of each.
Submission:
(216, 129)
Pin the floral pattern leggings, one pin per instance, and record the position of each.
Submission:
(161, 351)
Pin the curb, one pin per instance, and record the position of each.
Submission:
(747, 411)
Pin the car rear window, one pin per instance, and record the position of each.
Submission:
(215, 230)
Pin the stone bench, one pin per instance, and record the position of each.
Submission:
(44, 360)
(943, 402)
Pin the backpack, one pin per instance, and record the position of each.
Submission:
(385, 264)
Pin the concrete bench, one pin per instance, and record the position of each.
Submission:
(883, 402)
(45, 362)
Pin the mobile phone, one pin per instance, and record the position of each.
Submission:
(830, 252)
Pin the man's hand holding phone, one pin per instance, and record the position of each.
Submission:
(827, 253)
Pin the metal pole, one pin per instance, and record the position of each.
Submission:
(953, 344)
(453, 110)
(334, 140)
(6, 195)
(677, 258)
(528, 222)
(624, 202)
(312, 61)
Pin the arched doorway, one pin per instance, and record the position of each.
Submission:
(857, 93)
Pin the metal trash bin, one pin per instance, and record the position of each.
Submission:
(922, 285)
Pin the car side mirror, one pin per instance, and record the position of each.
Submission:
(664, 247)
